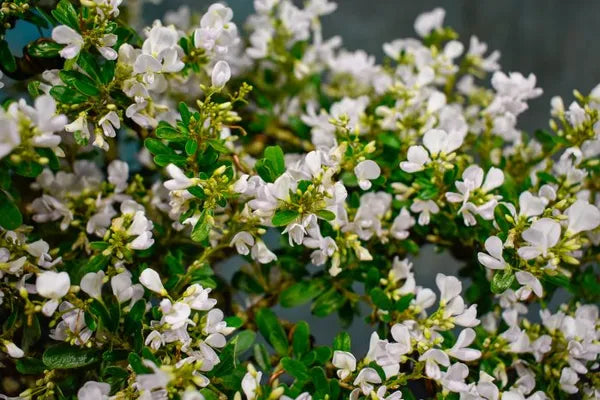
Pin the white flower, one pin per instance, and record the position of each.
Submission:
(530, 284)
(530, 205)
(155, 340)
(93, 390)
(542, 235)
(10, 137)
(52, 285)
(345, 363)
(582, 217)
(454, 378)
(402, 223)
(91, 283)
(425, 208)
(221, 74)
(65, 35)
(151, 280)
(493, 260)
(176, 315)
(450, 287)
(460, 350)
(242, 241)
(366, 171)
(123, 289)
(433, 359)
(197, 298)
(473, 180)
(261, 253)
(365, 378)
(118, 173)
(251, 382)
(438, 144)
(429, 21)
(568, 380)
(13, 350)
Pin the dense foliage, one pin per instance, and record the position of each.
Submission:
(142, 161)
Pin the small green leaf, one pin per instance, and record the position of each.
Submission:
(30, 366)
(46, 49)
(79, 81)
(380, 299)
(65, 356)
(326, 215)
(274, 155)
(88, 64)
(327, 303)
(301, 292)
(201, 229)
(502, 280)
(284, 217)
(10, 216)
(342, 342)
(301, 339)
(6, 57)
(242, 342)
(271, 329)
(66, 14)
(165, 131)
(66, 95)
(295, 368)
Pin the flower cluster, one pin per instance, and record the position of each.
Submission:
(145, 185)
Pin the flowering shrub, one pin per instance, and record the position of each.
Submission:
(146, 159)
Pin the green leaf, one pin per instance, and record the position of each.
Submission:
(295, 368)
(242, 342)
(327, 303)
(219, 146)
(404, 302)
(156, 147)
(107, 72)
(502, 281)
(79, 81)
(165, 131)
(185, 113)
(66, 14)
(380, 299)
(274, 155)
(326, 215)
(271, 329)
(301, 339)
(28, 169)
(137, 365)
(301, 292)
(262, 356)
(201, 229)
(6, 57)
(99, 311)
(191, 146)
(30, 366)
(342, 342)
(66, 95)
(88, 64)
(284, 217)
(10, 216)
(46, 49)
(65, 356)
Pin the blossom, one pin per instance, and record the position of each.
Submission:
(424, 208)
(92, 390)
(52, 285)
(91, 283)
(345, 362)
(13, 350)
(365, 379)
(251, 382)
(151, 280)
(582, 217)
(366, 171)
(221, 74)
(65, 35)
(437, 143)
(429, 21)
(261, 253)
(493, 259)
(460, 349)
(542, 235)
